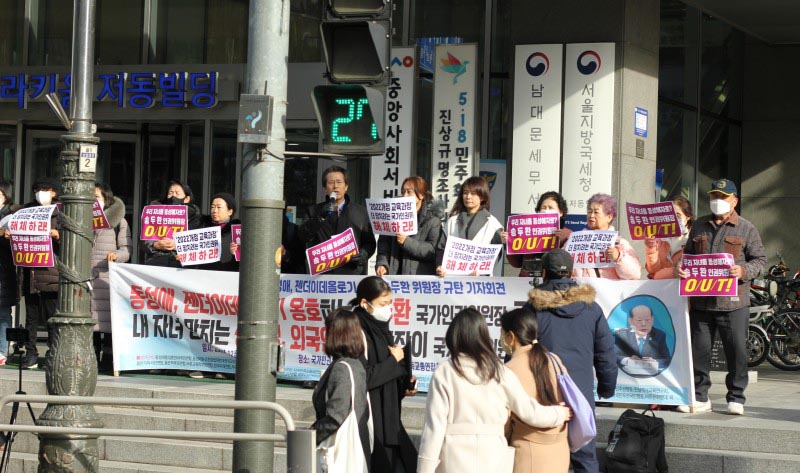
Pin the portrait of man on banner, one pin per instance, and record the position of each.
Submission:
(643, 335)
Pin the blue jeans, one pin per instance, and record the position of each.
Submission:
(5, 322)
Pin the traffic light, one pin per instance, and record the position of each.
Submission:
(356, 37)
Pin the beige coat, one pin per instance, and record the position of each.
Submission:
(536, 450)
(465, 420)
(116, 239)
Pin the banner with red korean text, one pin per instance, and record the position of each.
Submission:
(331, 254)
(31, 245)
(161, 221)
(99, 220)
(200, 246)
(393, 216)
(652, 220)
(532, 233)
(465, 257)
(588, 248)
(236, 237)
(709, 275)
(171, 318)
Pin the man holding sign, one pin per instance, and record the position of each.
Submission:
(723, 232)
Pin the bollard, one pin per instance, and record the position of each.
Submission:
(301, 451)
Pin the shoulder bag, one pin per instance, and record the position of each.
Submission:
(342, 452)
(581, 428)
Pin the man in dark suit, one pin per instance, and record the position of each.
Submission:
(641, 341)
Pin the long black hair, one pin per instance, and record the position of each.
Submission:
(370, 288)
(468, 336)
(522, 323)
(8, 191)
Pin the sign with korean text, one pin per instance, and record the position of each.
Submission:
(453, 157)
(393, 216)
(31, 245)
(652, 220)
(588, 248)
(588, 121)
(536, 151)
(465, 257)
(331, 254)
(532, 233)
(389, 170)
(99, 220)
(709, 275)
(200, 246)
(236, 237)
(161, 221)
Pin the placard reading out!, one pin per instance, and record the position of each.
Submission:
(709, 275)
(393, 216)
(652, 220)
(160, 221)
(532, 233)
(236, 236)
(99, 220)
(200, 246)
(464, 257)
(331, 254)
(588, 248)
(31, 245)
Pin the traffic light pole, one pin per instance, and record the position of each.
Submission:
(262, 222)
(71, 367)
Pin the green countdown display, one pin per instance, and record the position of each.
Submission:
(347, 123)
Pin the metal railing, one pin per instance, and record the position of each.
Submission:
(300, 444)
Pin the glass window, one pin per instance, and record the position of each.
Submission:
(119, 32)
(11, 25)
(8, 152)
(195, 165)
(678, 52)
(721, 68)
(305, 44)
(46, 162)
(462, 18)
(162, 160)
(223, 158)
(50, 42)
(677, 128)
(226, 38)
(720, 146)
(118, 153)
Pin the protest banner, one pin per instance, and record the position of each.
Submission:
(31, 245)
(652, 220)
(331, 254)
(99, 220)
(709, 275)
(588, 248)
(161, 221)
(200, 246)
(236, 237)
(32, 220)
(465, 257)
(393, 216)
(532, 233)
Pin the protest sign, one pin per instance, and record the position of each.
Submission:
(32, 220)
(532, 233)
(709, 275)
(31, 245)
(200, 246)
(393, 216)
(331, 254)
(161, 221)
(652, 220)
(99, 220)
(588, 248)
(465, 257)
(236, 237)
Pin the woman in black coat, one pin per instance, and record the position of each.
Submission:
(223, 206)
(388, 378)
(8, 272)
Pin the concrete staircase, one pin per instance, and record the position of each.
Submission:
(764, 440)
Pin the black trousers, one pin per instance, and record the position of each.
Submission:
(38, 310)
(732, 329)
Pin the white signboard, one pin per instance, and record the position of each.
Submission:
(465, 257)
(200, 246)
(536, 152)
(588, 248)
(389, 170)
(393, 216)
(588, 122)
(453, 152)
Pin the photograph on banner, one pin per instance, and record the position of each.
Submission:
(588, 248)
(465, 257)
(200, 246)
(169, 318)
(161, 221)
(99, 220)
(32, 220)
(32, 251)
(709, 275)
(236, 237)
(331, 254)
(393, 216)
(532, 233)
(650, 323)
(653, 220)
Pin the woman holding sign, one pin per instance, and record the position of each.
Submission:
(413, 254)
(601, 209)
(223, 206)
(162, 252)
(661, 256)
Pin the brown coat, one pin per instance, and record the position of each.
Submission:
(537, 450)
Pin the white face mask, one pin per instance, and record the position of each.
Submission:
(382, 314)
(44, 197)
(720, 207)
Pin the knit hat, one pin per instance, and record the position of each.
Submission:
(46, 183)
(230, 201)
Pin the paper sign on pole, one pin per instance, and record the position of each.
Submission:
(393, 216)
(588, 248)
(465, 257)
(536, 152)
(709, 275)
(331, 254)
(532, 233)
(236, 237)
(200, 246)
(652, 220)
(161, 221)
(99, 220)
(453, 152)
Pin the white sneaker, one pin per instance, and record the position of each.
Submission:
(735, 408)
(196, 375)
(698, 407)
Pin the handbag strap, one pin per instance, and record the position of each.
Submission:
(559, 368)
(352, 387)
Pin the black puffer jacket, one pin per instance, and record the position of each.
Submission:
(9, 293)
(167, 258)
(37, 280)
(227, 262)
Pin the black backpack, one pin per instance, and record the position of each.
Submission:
(637, 444)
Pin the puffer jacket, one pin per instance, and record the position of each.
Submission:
(38, 280)
(167, 258)
(9, 293)
(417, 255)
(116, 239)
(227, 262)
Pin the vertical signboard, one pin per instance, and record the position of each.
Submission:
(389, 170)
(536, 159)
(588, 122)
(453, 150)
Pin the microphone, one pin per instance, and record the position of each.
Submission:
(330, 207)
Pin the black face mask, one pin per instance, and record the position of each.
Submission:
(176, 201)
